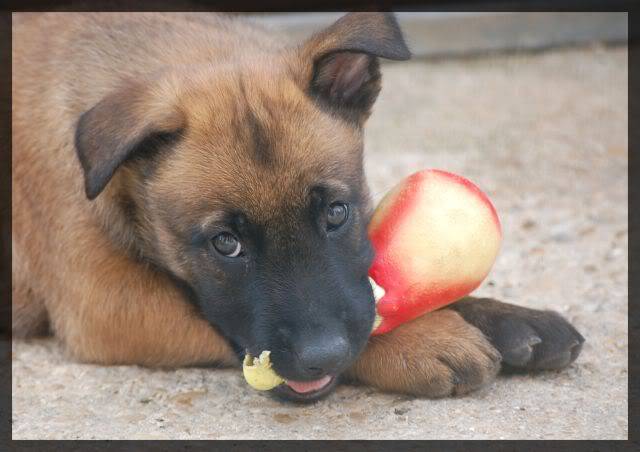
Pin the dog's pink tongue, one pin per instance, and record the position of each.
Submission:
(308, 386)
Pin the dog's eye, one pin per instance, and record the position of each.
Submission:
(337, 215)
(227, 244)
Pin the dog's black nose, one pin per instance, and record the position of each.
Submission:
(318, 357)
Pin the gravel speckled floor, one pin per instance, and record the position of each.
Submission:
(545, 136)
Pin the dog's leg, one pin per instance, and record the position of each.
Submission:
(459, 348)
(435, 355)
(113, 310)
(28, 313)
(527, 339)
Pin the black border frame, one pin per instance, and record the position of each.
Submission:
(202, 5)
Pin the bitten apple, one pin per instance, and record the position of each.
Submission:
(436, 236)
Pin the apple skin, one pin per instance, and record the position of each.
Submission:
(436, 236)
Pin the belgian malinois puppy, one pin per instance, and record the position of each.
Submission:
(187, 188)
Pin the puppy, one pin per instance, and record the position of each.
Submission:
(188, 188)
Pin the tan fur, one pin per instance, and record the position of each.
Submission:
(105, 307)
(74, 260)
(436, 355)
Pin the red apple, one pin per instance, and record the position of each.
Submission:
(436, 236)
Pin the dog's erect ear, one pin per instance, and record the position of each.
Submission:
(345, 69)
(117, 127)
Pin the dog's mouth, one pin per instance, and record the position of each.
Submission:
(299, 390)
(305, 391)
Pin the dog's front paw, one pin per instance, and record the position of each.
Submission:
(436, 355)
(528, 339)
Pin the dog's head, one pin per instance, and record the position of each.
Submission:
(244, 180)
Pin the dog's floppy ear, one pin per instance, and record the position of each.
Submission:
(119, 125)
(345, 69)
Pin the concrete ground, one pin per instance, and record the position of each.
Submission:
(545, 135)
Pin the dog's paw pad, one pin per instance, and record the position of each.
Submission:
(468, 368)
(516, 341)
(537, 340)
